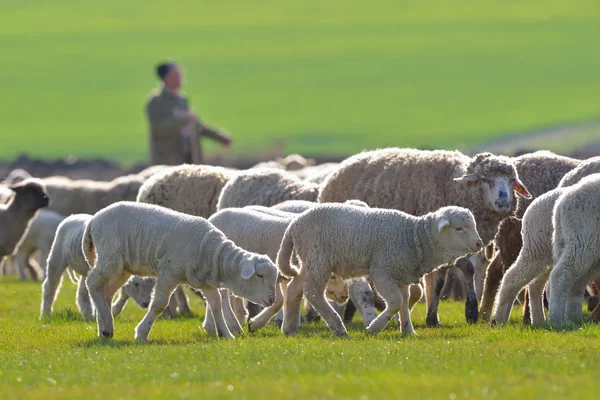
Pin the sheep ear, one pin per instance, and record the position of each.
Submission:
(522, 190)
(248, 270)
(443, 223)
(468, 178)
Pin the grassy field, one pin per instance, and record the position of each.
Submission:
(62, 358)
(318, 77)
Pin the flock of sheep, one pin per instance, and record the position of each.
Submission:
(376, 231)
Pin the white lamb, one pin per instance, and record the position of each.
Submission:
(394, 248)
(133, 238)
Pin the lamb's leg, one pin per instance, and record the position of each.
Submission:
(21, 259)
(575, 299)
(213, 297)
(182, 300)
(390, 291)
(471, 309)
(84, 303)
(239, 308)
(262, 319)
(406, 325)
(209, 323)
(293, 304)
(493, 277)
(279, 317)
(44, 253)
(51, 285)
(560, 285)
(232, 322)
(434, 283)
(314, 290)
(96, 281)
(118, 305)
(165, 285)
(361, 294)
(535, 292)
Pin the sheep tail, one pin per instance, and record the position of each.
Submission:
(72, 277)
(87, 245)
(285, 254)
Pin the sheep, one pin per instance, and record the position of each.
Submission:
(265, 187)
(292, 162)
(575, 248)
(147, 240)
(39, 237)
(317, 173)
(585, 168)
(299, 206)
(139, 289)
(393, 248)
(190, 189)
(540, 172)
(16, 216)
(419, 182)
(16, 176)
(260, 232)
(84, 196)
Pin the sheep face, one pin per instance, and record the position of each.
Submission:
(337, 289)
(140, 290)
(258, 280)
(31, 193)
(495, 179)
(457, 231)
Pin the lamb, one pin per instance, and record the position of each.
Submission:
(147, 240)
(540, 172)
(265, 187)
(419, 182)
(16, 216)
(576, 249)
(587, 167)
(261, 232)
(16, 176)
(66, 253)
(299, 206)
(39, 237)
(88, 197)
(394, 248)
(190, 189)
(137, 288)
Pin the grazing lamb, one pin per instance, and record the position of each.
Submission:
(576, 249)
(393, 248)
(142, 239)
(15, 217)
(39, 237)
(260, 232)
(265, 187)
(139, 289)
(66, 252)
(540, 172)
(418, 182)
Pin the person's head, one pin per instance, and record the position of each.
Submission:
(170, 74)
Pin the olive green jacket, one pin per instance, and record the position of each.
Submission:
(173, 139)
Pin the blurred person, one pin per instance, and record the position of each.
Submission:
(175, 129)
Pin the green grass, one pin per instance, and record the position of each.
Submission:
(320, 77)
(63, 358)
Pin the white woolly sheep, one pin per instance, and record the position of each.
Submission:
(16, 216)
(265, 187)
(139, 289)
(39, 237)
(393, 248)
(317, 173)
(418, 182)
(142, 239)
(576, 249)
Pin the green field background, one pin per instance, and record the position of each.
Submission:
(316, 77)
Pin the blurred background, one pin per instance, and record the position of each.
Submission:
(322, 78)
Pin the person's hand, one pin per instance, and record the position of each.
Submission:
(191, 116)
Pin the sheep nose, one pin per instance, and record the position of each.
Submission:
(502, 205)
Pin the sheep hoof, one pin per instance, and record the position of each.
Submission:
(107, 335)
(432, 321)
(250, 326)
(471, 311)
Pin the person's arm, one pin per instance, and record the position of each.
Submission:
(162, 121)
(213, 134)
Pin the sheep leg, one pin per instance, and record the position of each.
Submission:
(390, 291)
(84, 303)
(213, 297)
(209, 323)
(491, 284)
(535, 292)
(22, 259)
(575, 300)
(311, 314)
(263, 318)
(44, 253)
(435, 283)
(96, 281)
(239, 308)
(232, 322)
(293, 304)
(118, 305)
(559, 291)
(182, 300)
(471, 309)
(51, 286)
(362, 296)
(279, 316)
(170, 310)
(406, 325)
(314, 290)
(165, 285)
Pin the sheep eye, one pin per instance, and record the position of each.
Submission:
(459, 229)
(136, 284)
(259, 276)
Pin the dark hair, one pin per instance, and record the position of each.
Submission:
(163, 69)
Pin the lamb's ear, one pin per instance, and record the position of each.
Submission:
(468, 178)
(247, 270)
(522, 190)
(443, 223)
